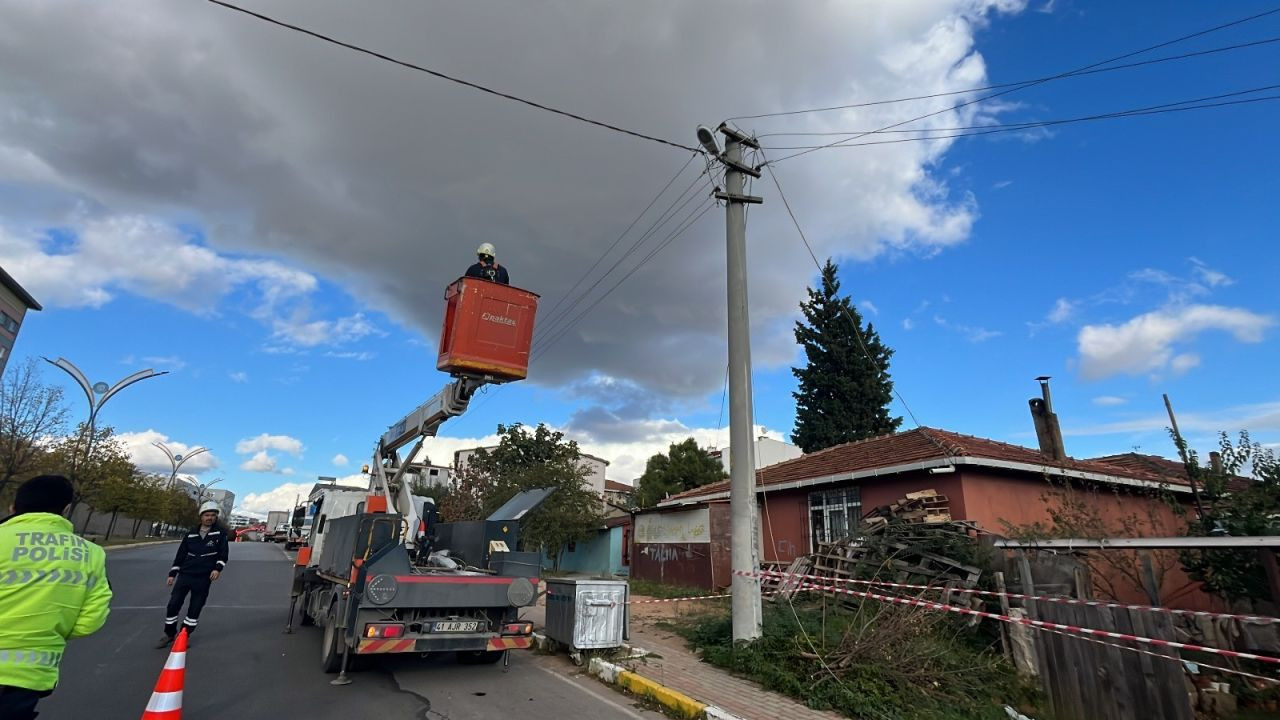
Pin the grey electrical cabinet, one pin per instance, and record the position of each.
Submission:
(587, 614)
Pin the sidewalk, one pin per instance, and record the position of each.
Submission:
(674, 665)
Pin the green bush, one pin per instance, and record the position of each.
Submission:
(873, 661)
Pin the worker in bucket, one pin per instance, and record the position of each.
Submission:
(488, 267)
(201, 558)
(53, 587)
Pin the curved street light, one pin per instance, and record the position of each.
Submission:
(98, 394)
(176, 460)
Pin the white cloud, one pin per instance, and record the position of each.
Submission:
(1145, 344)
(1184, 362)
(1256, 417)
(1002, 184)
(239, 376)
(351, 355)
(340, 460)
(869, 307)
(287, 471)
(261, 462)
(1062, 311)
(154, 259)
(908, 323)
(283, 496)
(1209, 276)
(263, 442)
(970, 333)
(239, 134)
(301, 331)
(1109, 400)
(172, 362)
(150, 458)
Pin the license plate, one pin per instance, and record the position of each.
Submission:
(456, 626)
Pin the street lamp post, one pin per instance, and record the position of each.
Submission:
(201, 490)
(97, 394)
(176, 460)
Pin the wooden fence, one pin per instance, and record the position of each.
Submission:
(1090, 681)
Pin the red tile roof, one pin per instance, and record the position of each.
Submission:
(923, 444)
(1173, 471)
(611, 486)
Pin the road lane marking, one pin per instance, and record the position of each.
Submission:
(602, 698)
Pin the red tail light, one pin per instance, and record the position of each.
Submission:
(517, 629)
(384, 630)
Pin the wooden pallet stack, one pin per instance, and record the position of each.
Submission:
(899, 557)
(927, 507)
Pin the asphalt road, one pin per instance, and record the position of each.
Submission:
(241, 664)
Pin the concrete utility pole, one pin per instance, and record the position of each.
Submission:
(745, 588)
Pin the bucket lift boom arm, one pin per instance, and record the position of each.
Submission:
(388, 473)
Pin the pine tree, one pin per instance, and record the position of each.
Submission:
(843, 394)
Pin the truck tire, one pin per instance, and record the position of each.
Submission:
(479, 657)
(331, 646)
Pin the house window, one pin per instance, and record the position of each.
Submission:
(433, 473)
(833, 514)
(8, 322)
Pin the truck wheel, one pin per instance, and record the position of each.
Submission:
(479, 657)
(331, 647)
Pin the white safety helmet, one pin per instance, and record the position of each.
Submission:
(486, 249)
(210, 506)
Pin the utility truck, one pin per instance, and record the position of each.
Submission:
(378, 572)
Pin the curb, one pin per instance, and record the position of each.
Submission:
(673, 700)
(109, 548)
(615, 674)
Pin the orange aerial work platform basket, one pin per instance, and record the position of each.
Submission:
(488, 328)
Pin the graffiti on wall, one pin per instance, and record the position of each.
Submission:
(686, 526)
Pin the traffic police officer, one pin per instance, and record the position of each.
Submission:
(201, 557)
(53, 586)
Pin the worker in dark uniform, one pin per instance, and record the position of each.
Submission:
(488, 267)
(202, 555)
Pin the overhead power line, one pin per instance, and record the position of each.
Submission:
(551, 313)
(1006, 91)
(450, 78)
(688, 221)
(1014, 84)
(973, 130)
(687, 195)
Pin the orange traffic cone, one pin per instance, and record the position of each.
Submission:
(166, 700)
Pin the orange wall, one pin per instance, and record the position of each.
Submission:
(994, 500)
(784, 515)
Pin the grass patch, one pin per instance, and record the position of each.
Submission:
(658, 590)
(886, 662)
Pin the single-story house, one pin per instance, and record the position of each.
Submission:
(607, 553)
(823, 495)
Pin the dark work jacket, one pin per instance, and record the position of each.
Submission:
(198, 556)
(492, 273)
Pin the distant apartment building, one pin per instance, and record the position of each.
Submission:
(14, 304)
(618, 494)
(768, 452)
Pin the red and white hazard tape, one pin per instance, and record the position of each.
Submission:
(1273, 681)
(1019, 596)
(1046, 624)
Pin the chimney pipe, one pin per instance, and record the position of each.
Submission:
(1048, 432)
(1215, 462)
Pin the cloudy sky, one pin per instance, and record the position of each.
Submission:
(273, 219)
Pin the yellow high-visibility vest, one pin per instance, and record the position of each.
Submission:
(53, 586)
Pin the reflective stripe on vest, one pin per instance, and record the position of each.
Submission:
(39, 658)
(56, 577)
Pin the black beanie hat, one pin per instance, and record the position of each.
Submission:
(43, 493)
